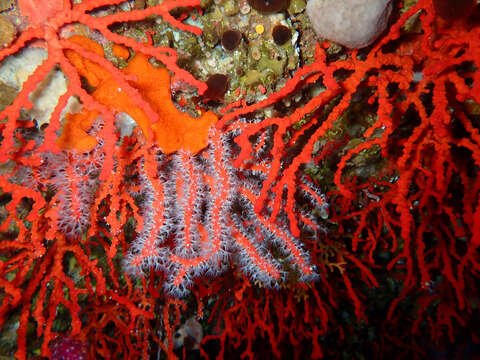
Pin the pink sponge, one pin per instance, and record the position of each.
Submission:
(67, 348)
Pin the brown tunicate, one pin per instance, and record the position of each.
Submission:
(269, 6)
(281, 34)
(231, 39)
(217, 86)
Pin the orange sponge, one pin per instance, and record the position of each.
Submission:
(175, 129)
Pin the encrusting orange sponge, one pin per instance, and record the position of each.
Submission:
(173, 131)
(74, 135)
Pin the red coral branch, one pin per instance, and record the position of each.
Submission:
(401, 207)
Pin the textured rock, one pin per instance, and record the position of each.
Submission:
(7, 31)
(15, 70)
(6, 4)
(353, 23)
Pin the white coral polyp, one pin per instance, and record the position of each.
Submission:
(202, 220)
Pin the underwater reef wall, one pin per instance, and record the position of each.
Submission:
(209, 178)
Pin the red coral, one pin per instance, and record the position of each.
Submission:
(38, 16)
(197, 214)
(43, 230)
(409, 224)
(418, 81)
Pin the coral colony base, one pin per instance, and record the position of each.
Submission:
(347, 194)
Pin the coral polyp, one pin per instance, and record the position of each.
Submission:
(198, 216)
